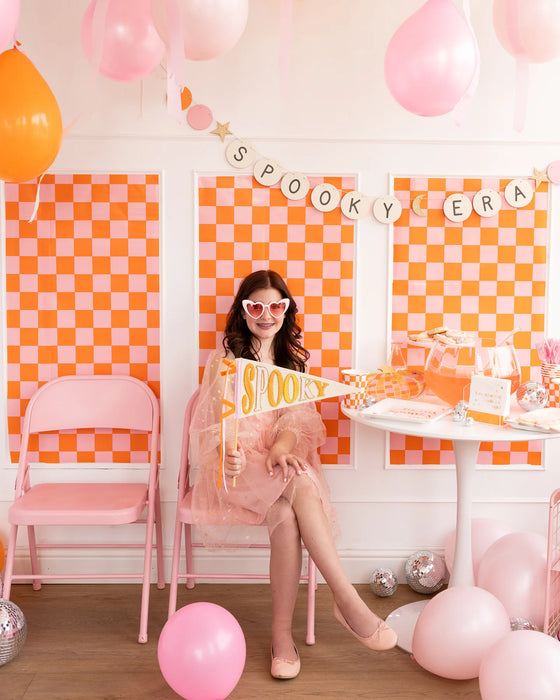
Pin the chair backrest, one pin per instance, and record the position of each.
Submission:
(91, 401)
(98, 401)
(184, 469)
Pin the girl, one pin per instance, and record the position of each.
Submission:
(272, 470)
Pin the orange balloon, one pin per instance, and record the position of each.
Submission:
(30, 119)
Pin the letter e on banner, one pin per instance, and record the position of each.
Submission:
(457, 207)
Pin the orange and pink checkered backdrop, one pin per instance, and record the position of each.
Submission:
(82, 292)
(484, 275)
(243, 227)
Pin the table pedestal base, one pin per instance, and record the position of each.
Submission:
(403, 621)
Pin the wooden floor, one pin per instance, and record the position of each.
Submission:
(81, 644)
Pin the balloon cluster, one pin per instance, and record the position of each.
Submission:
(126, 39)
(432, 61)
(491, 630)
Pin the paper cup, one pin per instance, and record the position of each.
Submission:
(550, 375)
(357, 379)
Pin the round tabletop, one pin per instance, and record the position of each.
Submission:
(446, 428)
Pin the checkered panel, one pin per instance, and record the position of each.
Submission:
(245, 227)
(82, 284)
(484, 275)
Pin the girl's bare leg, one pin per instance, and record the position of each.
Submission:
(317, 536)
(285, 572)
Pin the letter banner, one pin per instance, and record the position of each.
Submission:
(261, 387)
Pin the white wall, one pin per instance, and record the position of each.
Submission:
(337, 117)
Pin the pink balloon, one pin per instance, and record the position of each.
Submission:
(201, 652)
(209, 27)
(484, 532)
(131, 46)
(525, 665)
(431, 59)
(528, 29)
(9, 18)
(553, 172)
(456, 629)
(514, 570)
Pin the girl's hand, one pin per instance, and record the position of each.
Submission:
(279, 457)
(235, 461)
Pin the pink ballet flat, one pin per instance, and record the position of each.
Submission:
(283, 668)
(383, 638)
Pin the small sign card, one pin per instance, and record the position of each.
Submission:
(489, 399)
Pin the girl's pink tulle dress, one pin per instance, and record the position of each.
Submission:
(216, 509)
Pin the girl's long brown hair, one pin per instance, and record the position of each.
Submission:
(238, 339)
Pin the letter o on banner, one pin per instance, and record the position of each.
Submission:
(487, 202)
(457, 207)
(240, 154)
(267, 172)
(519, 193)
(355, 205)
(325, 197)
(294, 185)
(387, 209)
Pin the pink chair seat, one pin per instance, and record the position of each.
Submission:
(79, 504)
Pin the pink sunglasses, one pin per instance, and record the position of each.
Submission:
(255, 309)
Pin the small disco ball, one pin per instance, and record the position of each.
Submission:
(383, 582)
(425, 572)
(13, 631)
(531, 396)
(520, 623)
(459, 412)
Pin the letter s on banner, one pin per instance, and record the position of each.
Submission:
(240, 154)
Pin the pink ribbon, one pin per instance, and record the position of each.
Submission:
(175, 58)
(521, 65)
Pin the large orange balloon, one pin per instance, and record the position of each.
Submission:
(30, 119)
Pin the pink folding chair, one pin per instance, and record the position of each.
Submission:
(184, 522)
(75, 402)
(552, 595)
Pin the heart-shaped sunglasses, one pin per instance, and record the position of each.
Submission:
(255, 309)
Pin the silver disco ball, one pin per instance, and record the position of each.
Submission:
(520, 623)
(531, 396)
(383, 582)
(425, 572)
(13, 631)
